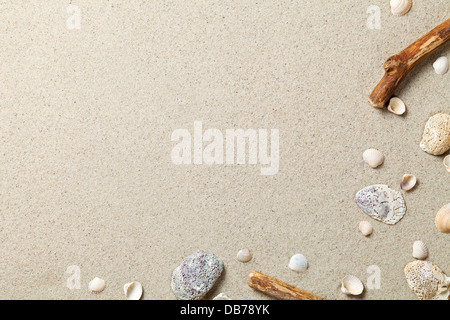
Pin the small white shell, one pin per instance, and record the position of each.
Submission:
(420, 250)
(396, 106)
(442, 219)
(222, 296)
(408, 182)
(244, 255)
(366, 228)
(351, 285)
(373, 158)
(298, 263)
(441, 65)
(400, 7)
(96, 285)
(447, 163)
(133, 290)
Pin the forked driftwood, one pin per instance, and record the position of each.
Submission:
(399, 65)
(277, 289)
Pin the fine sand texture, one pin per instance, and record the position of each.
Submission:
(88, 183)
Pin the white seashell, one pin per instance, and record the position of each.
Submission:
(436, 136)
(366, 228)
(221, 296)
(133, 290)
(408, 182)
(441, 65)
(447, 163)
(351, 285)
(396, 106)
(298, 263)
(400, 7)
(442, 220)
(427, 280)
(420, 250)
(244, 255)
(381, 203)
(373, 158)
(96, 285)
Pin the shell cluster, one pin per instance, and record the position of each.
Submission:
(420, 250)
(436, 136)
(298, 263)
(442, 220)
(96, 285)
(381, 203)
(400, 7)
(427, 281)
(373, 158)
(196, 275)
(441, 65)
(351, 285)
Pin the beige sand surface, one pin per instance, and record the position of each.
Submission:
(86, 117)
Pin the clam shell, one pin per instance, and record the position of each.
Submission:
(221, 296)
(426, 280)
(396, 106)
(373, 157)
(96, 285)
(400, 7)
(441, 65)
(447, 163)
(244, 255)
(442, 219)
(420, 250)
(351, 285)
(133, 290)
(366, 228)
(298, 263)
(436, 136)
(381, 203)
(408, 182)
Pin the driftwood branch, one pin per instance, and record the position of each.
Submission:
(277, 289)
(399, 65)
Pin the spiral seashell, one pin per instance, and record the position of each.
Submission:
(436, 136)
(447, 163)
(96, 285)
(396, 106)
(373, 157)
(351, 285)
(427, 281)
(400, 7)
(441, 65)
(442, 220)
(244, 255)
(133, 290)
(298, 263)
(366, 228)
(420, 250)
(408, 182)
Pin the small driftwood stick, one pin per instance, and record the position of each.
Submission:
(277, 289)
(399, 65)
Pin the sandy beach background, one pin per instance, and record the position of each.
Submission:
(86, 117)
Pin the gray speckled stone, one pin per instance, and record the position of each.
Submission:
(196, 276)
